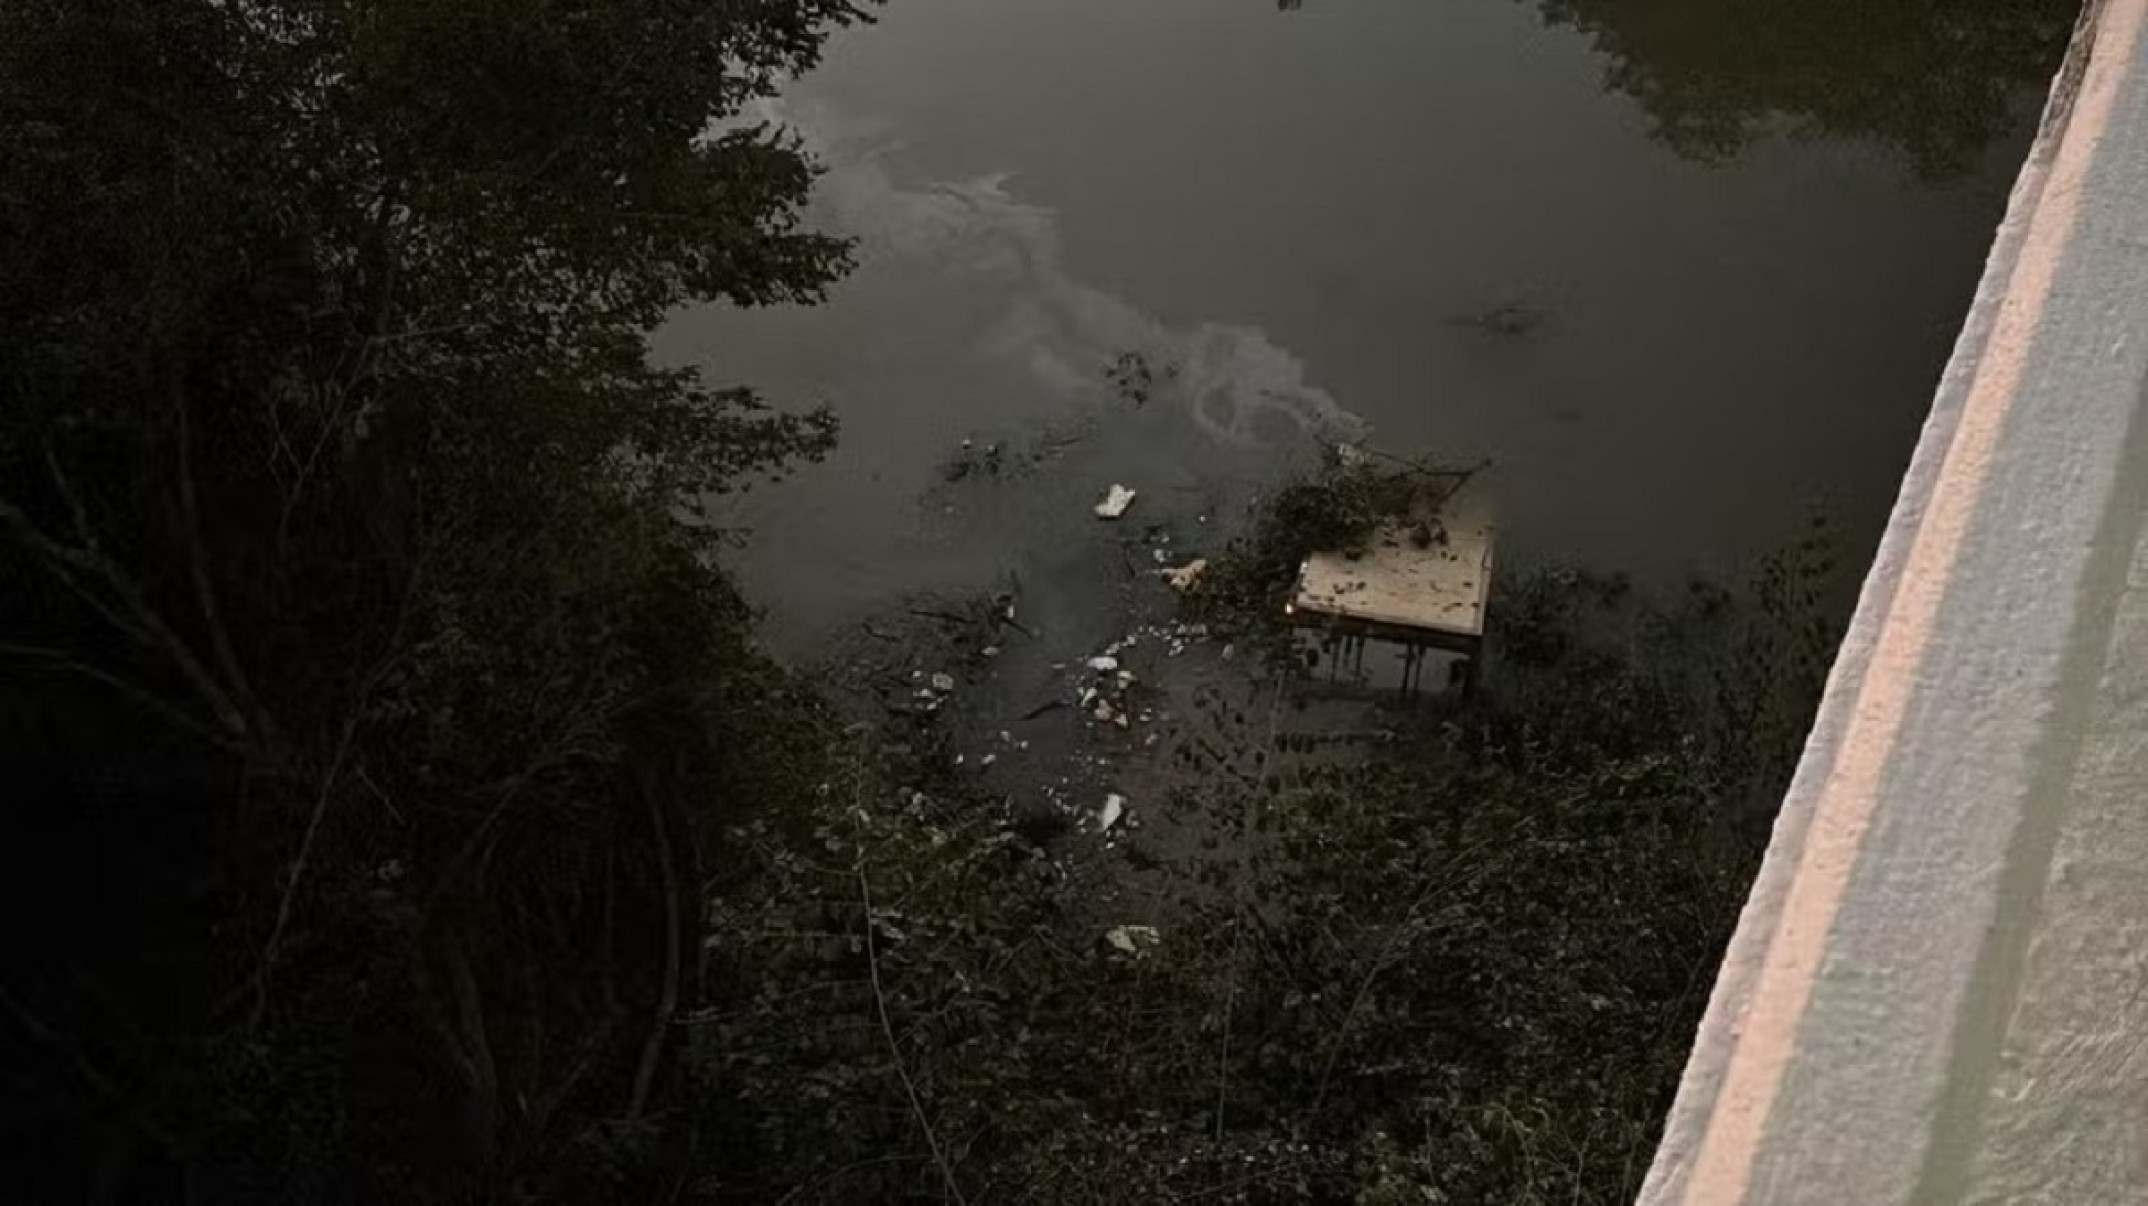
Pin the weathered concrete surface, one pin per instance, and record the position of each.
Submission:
(1938, 991)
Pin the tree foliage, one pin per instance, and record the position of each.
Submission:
(341, 498)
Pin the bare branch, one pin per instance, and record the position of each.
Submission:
(198, 568)
(880, 1001)
(141, 695)
(74, 502)
(668, 1001)
(1238, 893)
(138, 620)
(298, 870)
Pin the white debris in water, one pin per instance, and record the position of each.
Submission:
(1132, 939)
(991, 651)
(1103, 711)
(943, 682)
(1116, 500)
(1104, 665)
(1126, 678)
(1114, 808)
(988, 760)
(1183, 577)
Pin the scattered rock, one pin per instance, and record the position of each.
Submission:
(1115, 502)
(1114, 808)
(943, 683)
(1104, 665)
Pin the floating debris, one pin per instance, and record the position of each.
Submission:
(1114, 808)
(1133, 939)
(943, 683)
(1116, 500)
(1104, 664)
(1183, 577)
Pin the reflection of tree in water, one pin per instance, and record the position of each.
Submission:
(1937, 79)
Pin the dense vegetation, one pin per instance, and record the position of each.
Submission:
(366, 701)
(1462, 966)
(399, 810)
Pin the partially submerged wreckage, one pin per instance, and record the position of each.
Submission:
(1419, 579)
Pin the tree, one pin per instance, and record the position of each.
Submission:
(332, 461)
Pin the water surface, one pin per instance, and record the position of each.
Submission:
(1427, 224)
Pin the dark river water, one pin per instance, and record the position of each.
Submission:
(1443, 227)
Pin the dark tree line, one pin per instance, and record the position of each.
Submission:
(364, 703)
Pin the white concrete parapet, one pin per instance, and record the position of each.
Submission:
(1938, 990)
